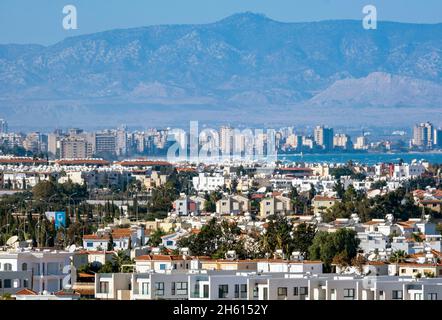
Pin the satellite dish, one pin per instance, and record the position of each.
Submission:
(72, 248)
(12, 240)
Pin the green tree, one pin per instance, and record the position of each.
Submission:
(279, 236)
(339, 189)
(119, 259)
(211, 199)
(303, 236)
(110, 243)
(155, 237)
(163, 197)
(342, 244)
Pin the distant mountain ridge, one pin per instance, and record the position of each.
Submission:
(245, 60)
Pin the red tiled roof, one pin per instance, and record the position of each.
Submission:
(143, 163)
(371, 222)
(95, 237)
(410, 264)
(64, 293)
(85, 291)
(21, 160)
(158, 257)
(26, 292)
(85, 275)
(73, 162)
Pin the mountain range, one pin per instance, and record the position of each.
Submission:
(244, 68)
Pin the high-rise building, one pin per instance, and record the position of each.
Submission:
(121, 142)
(105, 142)
(423, 135)
(342, 141)
(3, 126)
(361, 143)
(32, 142)
(438, 138)
(12, 139)
(73, 148)
(54, 144)
(295, 141)
(324, 137)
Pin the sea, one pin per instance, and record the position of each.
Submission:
(363, 158)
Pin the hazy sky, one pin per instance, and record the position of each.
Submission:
(40, 21)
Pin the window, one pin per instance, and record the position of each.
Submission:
(145, 288)
(159, 288)
(397, 295)
(295, 291)
(282, 292)
(349, 293)
(7, 267)
(432, 296)
(223, 291)
(25, 283)
(236, 291)
(303, 291)
(162, 266)
(89, 244)
(169, 243)
(243, 291)
(24, 266)
(255, 292)
(418, 296)
(197, 289)
(180, 288)
(1, 284)
(7, 283)
(104, 287)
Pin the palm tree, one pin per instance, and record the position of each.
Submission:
(398, 257)
(119, 259)
(264, 242)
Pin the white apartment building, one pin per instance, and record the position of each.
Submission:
(206, 182)
(289, 266)
(232, 285)
(371, 241)
(50, 269)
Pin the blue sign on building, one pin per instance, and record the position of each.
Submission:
(60, 219)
